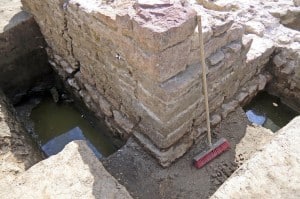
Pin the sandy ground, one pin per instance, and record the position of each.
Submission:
(272, 172)
(144, 178)
(11, 14)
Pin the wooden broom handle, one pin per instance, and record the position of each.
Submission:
(202, 57)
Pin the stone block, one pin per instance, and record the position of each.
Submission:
(163, 65)
(241, 97)
(262, 81)
(216, 58)
(219, 5)
(261, 48)
(255, 27)
(215, 119)
(175, 87)
(105, 106)
(73, 83)
(228, 108)
(122, 121)
(156, 29)
(279, 60)
(165, 134)
(235, 33)
(166, 157)
(220, 26)
(165, 110)
(73, 172)
(207, 35)
(234, 47)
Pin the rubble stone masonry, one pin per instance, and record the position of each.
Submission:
(136, 65)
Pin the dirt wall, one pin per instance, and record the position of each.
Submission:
(23, 59)
(17, 150)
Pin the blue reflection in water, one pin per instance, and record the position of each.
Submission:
(268, 111)
(255, 117)
(57, 144)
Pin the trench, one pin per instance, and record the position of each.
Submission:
(53, 124)
(51, 120)
(269, 111)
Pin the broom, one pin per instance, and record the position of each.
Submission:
(222, 144)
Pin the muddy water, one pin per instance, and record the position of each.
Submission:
(268, 111)
(51, 120)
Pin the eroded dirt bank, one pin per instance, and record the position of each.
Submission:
(17, 151)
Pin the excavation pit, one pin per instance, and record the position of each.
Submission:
(269, 112)
(135, 66)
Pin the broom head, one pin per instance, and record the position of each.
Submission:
(216, 149)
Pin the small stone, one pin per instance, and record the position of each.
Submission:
(288, 69)
(216, 58)
(52, 63)
(234, 47)
(255, 27)
(54, 94)
(214, 175)
(64, 64)
(252, 89)
(86, 98)
(69, 70)
(153, 3)
(278, 61)
(246, 42)
(297, 2)
(284, 39)
(72, 82)
(261, 48)
(275, 104)
(242, 97)
(262, 82)
(57, 58)
(222, 27)
(215, 119)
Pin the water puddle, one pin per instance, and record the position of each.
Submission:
(57, 124)
(268, 111)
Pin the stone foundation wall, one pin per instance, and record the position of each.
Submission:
(137, 66)
(285, 68)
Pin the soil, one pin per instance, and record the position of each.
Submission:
(17, 151)
(144, 178)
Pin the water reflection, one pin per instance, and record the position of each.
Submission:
(53, 122)
(268, 111)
